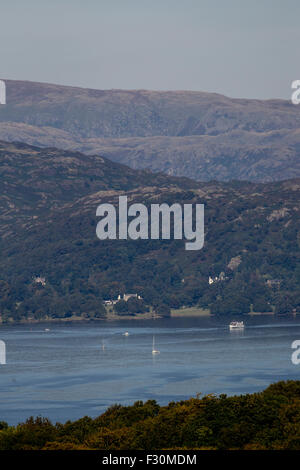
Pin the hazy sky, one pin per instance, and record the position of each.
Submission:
(241, 48)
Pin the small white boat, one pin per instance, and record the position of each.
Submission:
(154, 351)
(236, 325)
(126, 333)
(47, 329)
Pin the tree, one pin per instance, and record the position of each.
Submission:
(163, 310)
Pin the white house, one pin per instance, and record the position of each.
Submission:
(126, 297)
(40, 280)
(219, 278)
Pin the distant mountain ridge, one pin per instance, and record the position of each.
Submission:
(200, 135)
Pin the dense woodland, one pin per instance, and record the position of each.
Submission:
(48, 225)
(265, 420)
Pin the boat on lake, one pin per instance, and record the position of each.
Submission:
(236, 325)
(154, 351)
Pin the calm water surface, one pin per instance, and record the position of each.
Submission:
(80, 369)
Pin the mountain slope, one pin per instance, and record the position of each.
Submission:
(48, 222)
(33, 181)
(195, 134)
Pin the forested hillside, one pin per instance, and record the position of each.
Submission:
(48, 230)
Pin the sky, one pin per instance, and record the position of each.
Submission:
(239, 48)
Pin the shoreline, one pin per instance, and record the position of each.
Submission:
(253, 314)
(202, 312)
(77, 319)
(189, 312)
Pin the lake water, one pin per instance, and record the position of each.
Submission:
(78, 369)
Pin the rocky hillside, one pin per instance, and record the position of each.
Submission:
(48, 228)
(201, 135)
(34, 181)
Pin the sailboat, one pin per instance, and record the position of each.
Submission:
(154, 351)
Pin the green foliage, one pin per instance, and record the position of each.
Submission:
(131, 306)
(252, 235)
(163, 310)
(266, 420)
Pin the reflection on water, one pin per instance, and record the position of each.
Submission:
(66, 371)
(237, 332)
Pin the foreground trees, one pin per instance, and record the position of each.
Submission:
(265, 420)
